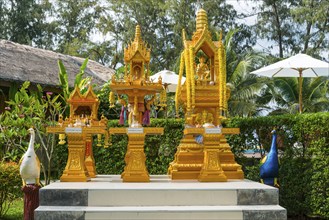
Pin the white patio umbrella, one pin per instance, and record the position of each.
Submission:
(169, 79)
(300, 65)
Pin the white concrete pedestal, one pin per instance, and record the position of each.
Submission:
(106, 197)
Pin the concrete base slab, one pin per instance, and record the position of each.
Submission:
(273, 212)
(107, 197)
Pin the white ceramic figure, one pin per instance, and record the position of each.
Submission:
(30, 164)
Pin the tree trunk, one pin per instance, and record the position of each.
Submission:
(278, 27)
(308, 31)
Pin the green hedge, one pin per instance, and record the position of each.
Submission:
(303, 141)
(159, 149)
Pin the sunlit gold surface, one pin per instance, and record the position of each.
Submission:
(135, 84)
(204, 98)
(135, 169)
(80, 166)
(89, 156)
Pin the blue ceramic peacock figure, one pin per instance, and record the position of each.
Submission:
(269, 170)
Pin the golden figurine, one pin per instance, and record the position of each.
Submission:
(202, 69)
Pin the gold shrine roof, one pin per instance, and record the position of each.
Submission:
(77, 98)
(138, 46)
(202, 35)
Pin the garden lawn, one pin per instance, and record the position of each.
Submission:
(15, 211)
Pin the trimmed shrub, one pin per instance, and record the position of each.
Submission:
(159, 149)
(10, 185)
(303, 143)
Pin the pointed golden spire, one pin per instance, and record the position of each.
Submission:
(137, 33)
(137, 45)
(201, 20)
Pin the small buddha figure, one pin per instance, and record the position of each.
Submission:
(137, 73)
(202, 69)
(207, 119)
(198, 120)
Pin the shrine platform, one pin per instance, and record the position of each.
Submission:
(107, 197)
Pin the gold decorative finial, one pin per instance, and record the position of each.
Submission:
(183, 35)
(138, 33)
(201, 19)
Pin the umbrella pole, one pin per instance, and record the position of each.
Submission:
(300, 91)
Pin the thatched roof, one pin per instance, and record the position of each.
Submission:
(24, 63)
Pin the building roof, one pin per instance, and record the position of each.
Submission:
(24, 63)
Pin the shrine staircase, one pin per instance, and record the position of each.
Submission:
(106, 197)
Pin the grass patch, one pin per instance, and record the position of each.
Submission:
(15, 211)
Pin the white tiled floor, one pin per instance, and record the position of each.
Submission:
(162, 182)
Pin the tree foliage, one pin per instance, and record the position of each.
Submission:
(101, 30)
(294, 26)
(24, 21)
(245, 88)
(284, 92)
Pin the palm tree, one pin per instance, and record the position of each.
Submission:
(245, 88)
(284, 93)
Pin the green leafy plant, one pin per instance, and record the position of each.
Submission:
(9, 187)
(159, 149)
(79, 81)
(30, 109)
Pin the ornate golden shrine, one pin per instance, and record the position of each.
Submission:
(136, 85)
(79, 128)
(203, 153)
